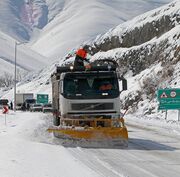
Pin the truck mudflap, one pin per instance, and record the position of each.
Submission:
(113, 133)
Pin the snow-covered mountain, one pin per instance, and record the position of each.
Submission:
(150, 63)
(78, 21)
(15, 21)
(18, 18)
(145, 47)
(27, 59)
(56, 26)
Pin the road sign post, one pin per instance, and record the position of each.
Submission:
(5, 111)
(5, 119)
(166, 115)
(169, 99)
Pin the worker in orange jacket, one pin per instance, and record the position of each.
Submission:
(81, 55)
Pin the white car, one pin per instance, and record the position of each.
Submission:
(36, 107)
(47, 108)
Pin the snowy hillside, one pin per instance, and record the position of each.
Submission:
(156, 60)
(24, 20)
(81, 20)
(18, 18)
(27, 59)
(65, 24)
(16, 21)
(48, 25)
(147, 49)
(140, 29)
(10, 22)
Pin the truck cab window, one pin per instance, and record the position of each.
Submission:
(91, 85)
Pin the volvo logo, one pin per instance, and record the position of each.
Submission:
(92, 106)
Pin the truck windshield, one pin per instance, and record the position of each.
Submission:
(91, 85)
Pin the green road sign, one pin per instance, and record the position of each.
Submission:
(42, 98)
(169, 99)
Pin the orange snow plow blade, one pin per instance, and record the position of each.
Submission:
(92, 132)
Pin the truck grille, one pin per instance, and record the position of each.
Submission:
(91, 106)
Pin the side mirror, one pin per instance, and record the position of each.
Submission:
(124, 84)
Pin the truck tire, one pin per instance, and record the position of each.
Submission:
(56, 121)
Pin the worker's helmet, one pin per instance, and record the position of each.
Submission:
(86, 47)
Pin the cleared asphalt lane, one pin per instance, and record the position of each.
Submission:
(152, 152)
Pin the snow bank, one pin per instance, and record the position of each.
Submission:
(27, 150)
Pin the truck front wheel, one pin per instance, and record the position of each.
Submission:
(56, 118)
(56, 121)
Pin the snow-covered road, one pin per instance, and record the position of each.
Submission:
(151, 153)
(27, 150)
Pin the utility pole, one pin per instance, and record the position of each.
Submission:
(15, 70)
(15, 57)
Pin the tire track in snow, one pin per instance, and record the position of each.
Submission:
(93, 162)
(150, 153)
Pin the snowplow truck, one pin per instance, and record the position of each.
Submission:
(86, 105)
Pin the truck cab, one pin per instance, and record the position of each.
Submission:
(79, 93)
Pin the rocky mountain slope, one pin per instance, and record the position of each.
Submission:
(153, 37)
(147, 50)
(51, 25)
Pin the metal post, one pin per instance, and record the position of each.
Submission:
(179, 115)
(5, 119)
(15, 64)
(166, 115)
(15, 76)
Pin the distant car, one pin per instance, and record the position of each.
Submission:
(36, 107)
(19, 106)
(28, 103)
(47, 108)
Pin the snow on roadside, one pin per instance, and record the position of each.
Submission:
(25, 151)
(157, 121)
